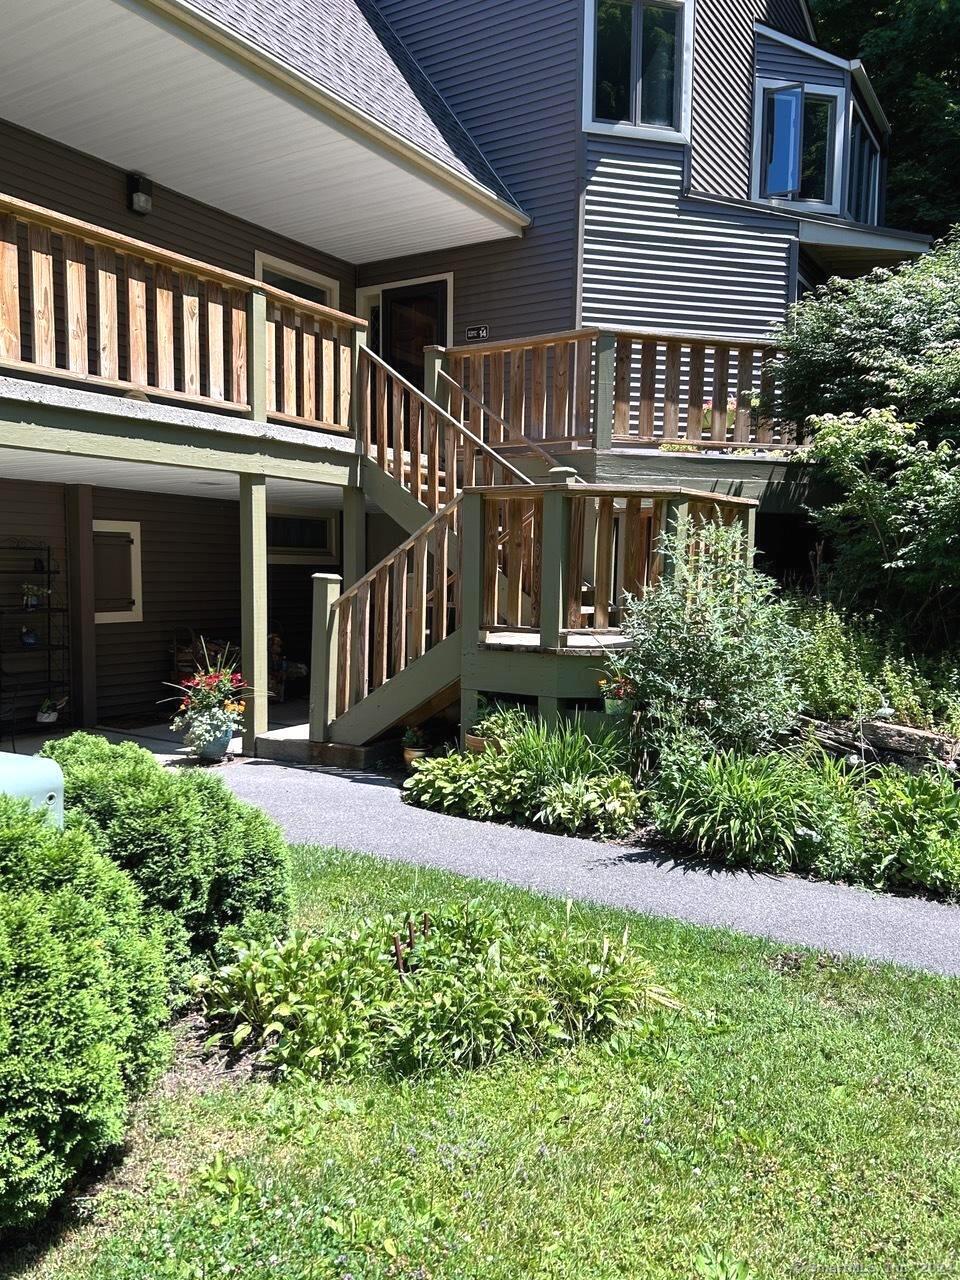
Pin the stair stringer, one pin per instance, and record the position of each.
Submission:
(401, 696)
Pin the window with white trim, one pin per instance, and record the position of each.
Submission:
(798, 147)
(863, 197)
(637, 74)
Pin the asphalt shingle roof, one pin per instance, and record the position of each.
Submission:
(348, 48)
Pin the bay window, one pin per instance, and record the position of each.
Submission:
(638, 66)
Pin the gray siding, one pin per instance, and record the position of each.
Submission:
(777, 61)
(45, 172)
(513, 80)
(190, 551)
(723, 71)
(653, 259)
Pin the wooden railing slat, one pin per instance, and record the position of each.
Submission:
(380, 395)
(440, 574)
(327, 365)
(308, 369)
(578, 514)
(518, 390)
(344, 702)
(695, 393)
(360, 678)
(415, 425)
(433, 461)
(108, 340)
(41, 280)
(491, 566)
(238, 346)
(75, 285)
(603, 574)
(582, 395)
(381, 629)
(671, 391)
(398, 629)
(190, 325)
(648, 388)
(721, 393)
(538, 393)
(397, 405)
(9, 289)
(621, 386)
(418, 612)
(164, 336)
(288, 351)
(744, 411)
(636, 549)
(216, 372)
(345, 377)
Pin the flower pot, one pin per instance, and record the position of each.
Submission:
(413, 753)
(216, 748)
(48, 717)
(618, 706)
(475, 744)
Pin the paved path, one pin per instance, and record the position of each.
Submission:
(364, 812)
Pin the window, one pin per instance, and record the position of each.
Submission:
(297, 280)
(637, 66)
(117, 576)
(799, 151)
(864, 195)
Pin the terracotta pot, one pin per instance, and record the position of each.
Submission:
(474, 744)
(413, 753)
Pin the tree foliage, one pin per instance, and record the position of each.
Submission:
(911, 49)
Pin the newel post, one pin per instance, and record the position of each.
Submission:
(257, 355)
(555, 557)
(434, 386)
(604, 401)
(323, 656)
(358, 342)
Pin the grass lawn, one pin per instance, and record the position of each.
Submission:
(801, 1117)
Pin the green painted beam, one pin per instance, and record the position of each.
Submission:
(392, 498)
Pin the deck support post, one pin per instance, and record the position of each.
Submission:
(471, 583)
(548, 709)
(555, 562)
(253, 606)
(257, 355)
(672, 512)
(354, 536)
(748, 522)
(80, 582)
(605, 390)
(327, 587)
(358, 341)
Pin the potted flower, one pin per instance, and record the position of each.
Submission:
(32, 594)
(414, 745)
(49, 710)
(618, 693)
(211, 707)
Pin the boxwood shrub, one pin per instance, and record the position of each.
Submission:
(83, 1007)
(205, 862)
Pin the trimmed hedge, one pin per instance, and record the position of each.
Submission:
(83, 1007)
(206, 863)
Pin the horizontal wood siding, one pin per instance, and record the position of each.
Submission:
(776, 61)
(654, 259)
(45, 172)
(190, 549)
(723, 73)
(510, 71)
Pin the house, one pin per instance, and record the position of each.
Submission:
(332, 287)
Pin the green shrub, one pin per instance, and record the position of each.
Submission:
(887, 339)
(563, 779)
(913, 830)
(205, 862)
(455, 989)
(82, 1008)
(711, 647)
(768, 812)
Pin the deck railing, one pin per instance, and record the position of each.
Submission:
(603, 388)
(83, 304)
(559, 560)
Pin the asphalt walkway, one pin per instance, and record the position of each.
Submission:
(364, 812)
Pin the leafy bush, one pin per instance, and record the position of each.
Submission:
(850, 666)
(894, 530)
(563, 779)
(457, 989)
(914, 830)
(205, 861)
(82, 1008)
(890, 339)
(769, 812)
(711, 647)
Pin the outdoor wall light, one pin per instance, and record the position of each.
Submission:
(139, 194)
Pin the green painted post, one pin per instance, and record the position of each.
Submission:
(327, 587)
(471, 595)
(548, 709)
(748, 520)
(354, 536)
(674, 511)
(434, 386)
(604, 390)
(257, 355)
(555, 566)
(253, 606)
(358, 343)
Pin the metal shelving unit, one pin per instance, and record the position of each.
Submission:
(34, 640)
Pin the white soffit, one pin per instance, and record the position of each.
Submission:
(139, 91)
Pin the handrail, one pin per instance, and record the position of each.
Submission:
(588, 490)
(509, 344)
(424, 399)
(403, 547)
(64, 224)
(518, 437)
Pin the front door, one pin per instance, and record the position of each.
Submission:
(412, 317)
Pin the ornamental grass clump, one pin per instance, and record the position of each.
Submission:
(452, 989)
